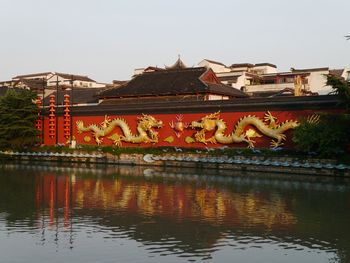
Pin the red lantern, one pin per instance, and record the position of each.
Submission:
(66, 117)
(52, 118)
(38, 122)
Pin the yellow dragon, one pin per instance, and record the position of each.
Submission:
(268, 127)
(144, 128)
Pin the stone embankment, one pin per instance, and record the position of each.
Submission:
(282, 164)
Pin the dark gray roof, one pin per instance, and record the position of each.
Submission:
(75, 77)
(170, 82)
(215, 62)
(80, 95)
(63, 75)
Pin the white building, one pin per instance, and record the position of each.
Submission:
(263, 79)
(63, 79)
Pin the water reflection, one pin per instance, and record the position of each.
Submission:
(167, 215)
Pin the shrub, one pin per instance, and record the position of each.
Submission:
(328, 137)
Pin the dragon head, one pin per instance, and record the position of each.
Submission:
(208, 122)
(147, 122)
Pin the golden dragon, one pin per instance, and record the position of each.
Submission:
(268, 127)
(144, 127)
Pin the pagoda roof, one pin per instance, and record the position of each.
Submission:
(177, 65)
(172, 82)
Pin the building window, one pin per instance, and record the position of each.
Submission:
(268, 81)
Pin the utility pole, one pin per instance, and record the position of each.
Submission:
(44, 83)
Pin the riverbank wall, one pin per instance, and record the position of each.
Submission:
(221, 164)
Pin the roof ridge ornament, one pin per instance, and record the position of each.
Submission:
(179, 64)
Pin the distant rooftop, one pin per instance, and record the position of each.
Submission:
(249, 65)
(178, 65)
(62, 75)
(309, 69)
(215, 62)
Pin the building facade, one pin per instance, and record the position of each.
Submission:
(263, 79)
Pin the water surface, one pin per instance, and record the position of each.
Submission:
(134, 214)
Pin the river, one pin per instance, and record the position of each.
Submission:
(55, 213)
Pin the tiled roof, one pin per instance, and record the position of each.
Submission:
(80, 95)
(75, 77)
(32, 75)
(178, 65)
(239, 65)
(308, 69)
(214, 62)
(63, 75)
(265, 64)
(170, 82)
(33, 84)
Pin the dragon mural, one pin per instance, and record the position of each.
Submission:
(145, 126)
(268, 126)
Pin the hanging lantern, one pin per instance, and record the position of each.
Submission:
(39, 122)
(66, 117)
(52, 118)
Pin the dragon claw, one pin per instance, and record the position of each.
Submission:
(275, 144)
(98, 141)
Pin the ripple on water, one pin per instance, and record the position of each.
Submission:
(206, 218)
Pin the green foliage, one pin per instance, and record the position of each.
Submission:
(17, 117)
(328, 138)
(341, 87)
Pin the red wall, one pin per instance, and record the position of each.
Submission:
(230, 118)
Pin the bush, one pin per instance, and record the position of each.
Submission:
(328, 137)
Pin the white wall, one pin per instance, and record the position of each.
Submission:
(317, 82)
(265, 69)
(217, 97)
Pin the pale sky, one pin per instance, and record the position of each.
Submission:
(108, 39)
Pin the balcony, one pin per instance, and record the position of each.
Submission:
(269, 87)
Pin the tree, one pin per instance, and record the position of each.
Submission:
(18, 113)
(341, 87)
(329, 136)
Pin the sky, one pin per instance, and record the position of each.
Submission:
(108, 39)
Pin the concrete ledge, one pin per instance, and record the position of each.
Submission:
(283, 165)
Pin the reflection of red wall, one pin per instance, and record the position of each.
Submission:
(230, 118)
(176, 201)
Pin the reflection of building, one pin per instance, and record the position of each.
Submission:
(264, 80)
